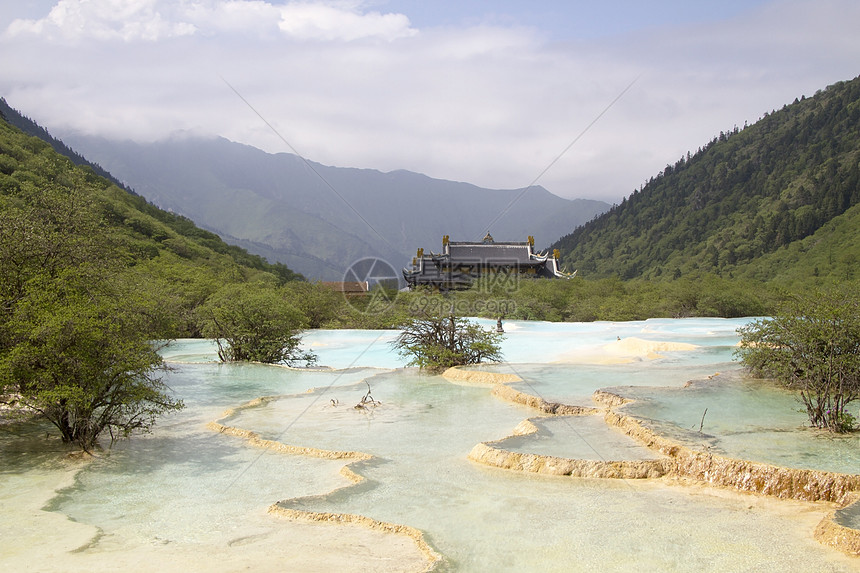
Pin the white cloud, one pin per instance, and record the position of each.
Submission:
(103, 20)
(214, 16)
(153, 20)
(491, 105)
(322, 21)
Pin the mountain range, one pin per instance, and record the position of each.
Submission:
(318, 219)
(778, 200)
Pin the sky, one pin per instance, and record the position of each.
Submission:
(589, 99)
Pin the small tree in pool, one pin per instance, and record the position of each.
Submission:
(440, 342)
(77, 322)
(254, 322)
(811, 345)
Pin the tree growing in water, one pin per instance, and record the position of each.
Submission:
(812, 345)
(76, 323)
(254, 322)
(440, 342)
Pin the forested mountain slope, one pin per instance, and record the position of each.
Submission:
(320, 219)
(30, 127)
(773, 201)
(48, 206)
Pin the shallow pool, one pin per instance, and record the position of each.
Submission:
(187, 486)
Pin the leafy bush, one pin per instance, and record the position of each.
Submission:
(254, 322)
(813, 346)
(440, 342)
(76, 324)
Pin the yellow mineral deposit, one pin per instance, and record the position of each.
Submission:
(459, 375)
(255, 440)
(837, 536)
(624, 351)
(678, 461)
(488, 454)
(431, 557)
(675, 461)
(35, 539)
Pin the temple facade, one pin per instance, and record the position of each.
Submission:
(461, 263)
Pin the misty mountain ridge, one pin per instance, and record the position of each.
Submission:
(319, 219)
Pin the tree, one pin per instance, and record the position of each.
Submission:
(76, 324)
(320, 305)
(811, 345)
(254, 322)
(438, 342)
(86, 363)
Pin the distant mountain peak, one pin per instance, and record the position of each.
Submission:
(275, 206)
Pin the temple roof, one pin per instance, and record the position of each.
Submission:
(460, 263)
(498, 253)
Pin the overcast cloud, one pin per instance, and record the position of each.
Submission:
(488, 96)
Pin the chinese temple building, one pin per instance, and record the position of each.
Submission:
(461, 263)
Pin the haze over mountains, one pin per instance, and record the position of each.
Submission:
(319, 219)
(776, 201)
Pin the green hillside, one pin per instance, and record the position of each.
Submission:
(320, 219)
(30, 127)
(775, 201)
(47, 205)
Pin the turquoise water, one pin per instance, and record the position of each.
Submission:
(187, 485)
(747, 419)
(578, 437)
